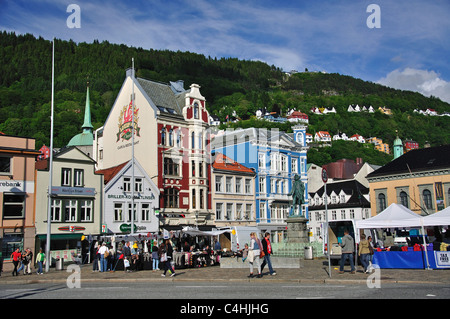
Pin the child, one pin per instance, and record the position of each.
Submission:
(245, 253)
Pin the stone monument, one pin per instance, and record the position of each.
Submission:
(297, 231)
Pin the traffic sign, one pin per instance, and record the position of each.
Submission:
(324, 175)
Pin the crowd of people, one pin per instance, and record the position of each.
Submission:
(23, 261)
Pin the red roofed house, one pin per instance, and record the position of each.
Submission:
(297, 116)
(322, 136)
(233, 193)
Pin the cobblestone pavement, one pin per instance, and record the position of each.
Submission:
(311, 271)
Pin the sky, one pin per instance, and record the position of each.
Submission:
(404, 44)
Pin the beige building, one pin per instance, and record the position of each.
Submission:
(17, 193)
(419, 180)
(76, 204)
(233, 193)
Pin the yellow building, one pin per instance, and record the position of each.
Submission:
(379, 145)
(419, 180)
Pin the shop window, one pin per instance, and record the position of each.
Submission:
(86, 210)
(10, 243)
(13, 206)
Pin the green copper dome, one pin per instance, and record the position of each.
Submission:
(87, 137)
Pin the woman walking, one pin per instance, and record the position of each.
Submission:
(253, 255)
(364, 252)
(40, 259)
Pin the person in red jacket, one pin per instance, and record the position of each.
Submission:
(16, 257)
(267, 248)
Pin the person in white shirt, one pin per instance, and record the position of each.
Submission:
(103, 259)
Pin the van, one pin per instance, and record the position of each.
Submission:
(237, 237)
(336, 232)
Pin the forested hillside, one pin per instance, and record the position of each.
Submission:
(229, 85)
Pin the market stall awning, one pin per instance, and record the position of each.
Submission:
(60, 236)
(196, 232)
(394, 216)
(441, 218)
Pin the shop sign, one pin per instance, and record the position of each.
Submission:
(442, 259)
(126, 228)
(71, 228)
(137, 196)
(14, 186)
(83, 191)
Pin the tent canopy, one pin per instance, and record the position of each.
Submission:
(196, 232)
(441, 218)
(394, 216)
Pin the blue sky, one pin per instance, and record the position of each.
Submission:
(410, 51)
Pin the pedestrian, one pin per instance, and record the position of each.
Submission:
(16, 256)
(254, 252)
(364, 252)
(22, 263)
(348, 248)
(28, 261)
(135, 257)
(104, 253)
(40, 260)
(267, 249)
(166, 254)
(371, 249)
(96, 258)
(155, 256)
(127, 255)
(245, 252)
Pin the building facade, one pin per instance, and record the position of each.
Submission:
(76, 205)
(171, 143)
(233, 193)
(419, 180)
(276, 157)
(17, 193)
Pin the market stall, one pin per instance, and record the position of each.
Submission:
(398, 216)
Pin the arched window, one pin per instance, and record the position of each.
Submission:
(381, 202)
(404, 199)
(193, 140)
(426, 195)
(163, 136)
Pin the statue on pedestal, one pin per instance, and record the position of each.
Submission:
(298, 195)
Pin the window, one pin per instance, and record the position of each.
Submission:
(13, 206)
(70, 210)
(200, 141)
(78, 178)
(194, 200)
(171, 198)
(145, 212)
(193, 168)
(352, 214)
(239, 211)
(163, 136)
(200, 169)
(193, 140)
(381, 202)
(201, 199)
(219, 183)
(262, 211)
(273, 186)
(118, 212)
(261, 161)
(404, 199)
(229, 213)
(262, 185)
(238, 185)
(248, 211)
(248, 186)
(318, 216)
(171, 167)
(294, 165)
(426, 195)
(56, 210)
(171, 137)
(178, 138)
(86, 210)
(66, 176)
(138, 185)
(134, 212)
(274, 162)
(5, 165)
(127, 184)
(219, 210)
(342, 214)
(228, 185)
(284, 161)
(196, 111)
(333, 215)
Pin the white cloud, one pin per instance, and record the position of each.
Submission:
(426, 82)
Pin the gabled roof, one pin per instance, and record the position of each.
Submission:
(425, 159)
(110, 173)
(164, 96)
(224, 163)
(355, 189)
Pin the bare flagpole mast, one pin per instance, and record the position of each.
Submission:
(133, 184)
(50, 179)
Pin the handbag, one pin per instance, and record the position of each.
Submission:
(261, 254)
(126, 263)
(250, 256)
(370, 249)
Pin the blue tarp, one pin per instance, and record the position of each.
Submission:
(403, 259)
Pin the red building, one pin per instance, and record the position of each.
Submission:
(411, 145)
(171, 142)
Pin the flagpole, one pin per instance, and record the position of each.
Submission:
(133, 184)
(50, 179)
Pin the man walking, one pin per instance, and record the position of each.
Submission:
(348, 247)
(267, 248)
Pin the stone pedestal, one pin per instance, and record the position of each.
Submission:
(297, 231)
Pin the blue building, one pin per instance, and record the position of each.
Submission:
(276, 157)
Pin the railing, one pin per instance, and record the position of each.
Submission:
(296, 249)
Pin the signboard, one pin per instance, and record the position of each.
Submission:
(81, 191)
(71, 228)
(442, 259)
(14, 186)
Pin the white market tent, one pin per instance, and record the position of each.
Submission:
(196, 232)
(394, 216)
(441, 218)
